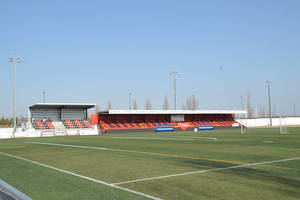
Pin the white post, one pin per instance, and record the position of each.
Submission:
(242, 128)
(280, 125)
(269, 95)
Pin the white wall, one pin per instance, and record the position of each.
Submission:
(7, 132)
(263, 122)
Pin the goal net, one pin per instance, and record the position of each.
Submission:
(258, 125)
(283, 126)
(243, 126)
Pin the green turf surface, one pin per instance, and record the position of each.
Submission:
(145, 155)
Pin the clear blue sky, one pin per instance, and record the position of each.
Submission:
(96, 51)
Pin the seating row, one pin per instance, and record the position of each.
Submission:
(76, 124)
(47, 124)
(121, 125)
(42, 125)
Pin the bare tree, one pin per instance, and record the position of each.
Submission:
(189, 103)
(183, 107)
(21, 119)
(108, 105)
(166, 104)
(148, 105)
(195, 103)
(274, 110)
(97, 108)
(250, 110)
(260, 111)
(135, 107)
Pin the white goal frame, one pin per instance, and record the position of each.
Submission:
(282, 126)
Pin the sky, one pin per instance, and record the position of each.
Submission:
(98, 51)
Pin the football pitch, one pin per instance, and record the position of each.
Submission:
(220, 164)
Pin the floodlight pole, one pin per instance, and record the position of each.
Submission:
(15, 61)
(193, 103)
(129, 100)
(269, 95)
(15, 96)
(174, 73)
(242, 101)
(44, 95)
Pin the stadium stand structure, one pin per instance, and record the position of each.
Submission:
(118, 120)
(64, 118)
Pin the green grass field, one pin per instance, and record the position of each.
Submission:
(221, 164)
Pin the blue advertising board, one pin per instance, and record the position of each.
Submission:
(164, 129)
(206, 128)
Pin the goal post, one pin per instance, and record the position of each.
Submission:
(254, 125)
(244, 127)
(283, 126)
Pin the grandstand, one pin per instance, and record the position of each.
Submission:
(59, 118)
(119, 120)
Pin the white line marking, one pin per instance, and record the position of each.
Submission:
(203, 171)
(15, 147)
(68, 145)
(148, 138)
(83, 177)
(161, 138)
(210, 138)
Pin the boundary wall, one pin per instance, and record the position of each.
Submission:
(6, 133)
(265, 122)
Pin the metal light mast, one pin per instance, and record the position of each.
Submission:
(129, 100)
(44, 96)
(174, 73)
(15, 61)
(269, 95)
